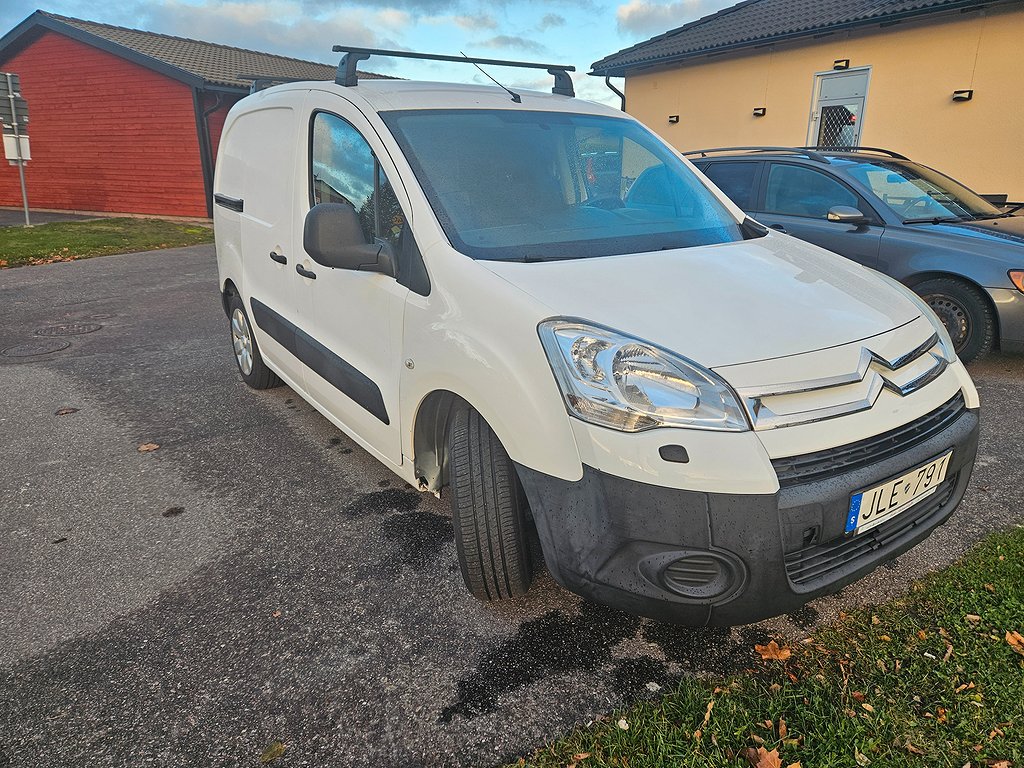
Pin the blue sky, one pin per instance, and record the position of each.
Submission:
(576, 33)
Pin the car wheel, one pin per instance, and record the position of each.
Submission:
(488, 510)
(965, 312)
(247, 355)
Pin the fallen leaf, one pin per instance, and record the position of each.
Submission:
(273, 751)
(998, 763)
(773, 652)
(868, 707)
(922, 635)
(794, 765)
(990, 588)
(276, 614)
(580, 756)
(860, 757)
(149, 448)
(973, 617)
(762, 758)
(912, 749)
(949, 652)
(653, 687)
(623, 725)
(1016, 642)
(65, 411)
(782, 729)
(886, 638)
(875, 620)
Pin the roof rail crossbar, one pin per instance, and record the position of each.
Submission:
(879, 150)
(805, 151)
(347, 67)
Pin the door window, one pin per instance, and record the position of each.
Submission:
(345, 170)
(736, 180)
(794, 190)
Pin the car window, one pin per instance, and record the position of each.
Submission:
(529, 185)
(915, 192)
(794, 190)
(344, 170)
(736, 180)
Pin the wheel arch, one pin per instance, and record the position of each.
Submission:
(911, 281)
(228, 289)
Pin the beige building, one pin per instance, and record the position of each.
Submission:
(936, 80)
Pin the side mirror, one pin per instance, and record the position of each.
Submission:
(845, 214)
(333, 237)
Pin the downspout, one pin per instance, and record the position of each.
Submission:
(620, 94)
(205, 150)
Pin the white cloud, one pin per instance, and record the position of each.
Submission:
(645, 17)
(512, 41)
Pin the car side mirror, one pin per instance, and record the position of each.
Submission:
(845, 214)
(333, 237)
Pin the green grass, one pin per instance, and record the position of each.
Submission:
(928, 680)
(67, 241)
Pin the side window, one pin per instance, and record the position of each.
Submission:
(793, 190)
(736, 180)
(345, 170)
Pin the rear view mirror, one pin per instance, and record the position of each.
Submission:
(845, 214)
(333, 237)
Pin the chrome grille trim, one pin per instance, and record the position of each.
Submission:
(871, 368)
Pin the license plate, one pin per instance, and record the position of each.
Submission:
(883, 502)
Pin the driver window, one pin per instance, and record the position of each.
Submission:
(344, 170)
(797, 191)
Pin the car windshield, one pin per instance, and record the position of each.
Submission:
(919, 194)
(519, 185)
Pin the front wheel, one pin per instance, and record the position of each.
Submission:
(488, 510)
(254, 371)
(965, 312)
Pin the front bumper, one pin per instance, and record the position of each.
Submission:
(614, 540)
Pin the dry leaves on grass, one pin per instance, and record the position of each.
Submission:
(148, 447)
(1016, 642)
(577, 758)
(773, 652)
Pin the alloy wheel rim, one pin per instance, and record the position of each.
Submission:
(241, 340)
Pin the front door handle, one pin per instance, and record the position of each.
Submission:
(280, 258)
(305, 272)
(778, 228)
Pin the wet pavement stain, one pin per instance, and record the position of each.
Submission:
(804, 618)
(553, 644)
(383, 502)
(173, 512)
(417, 536)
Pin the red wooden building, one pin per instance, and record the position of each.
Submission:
(126, 121)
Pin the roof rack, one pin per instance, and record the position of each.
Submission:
(260, 82)
(807, 152)
(347, 67)
(879, 150)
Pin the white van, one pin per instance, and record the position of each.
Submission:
(534, 301)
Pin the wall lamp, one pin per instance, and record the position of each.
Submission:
(964, 95)
(673, 118)
(841, 64)
(760, 111)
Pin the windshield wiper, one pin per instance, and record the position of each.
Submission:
(986, 216)
(933, 220)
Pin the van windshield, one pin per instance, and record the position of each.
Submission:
(533, 186)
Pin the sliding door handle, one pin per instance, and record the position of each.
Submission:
(280, 258)
(305, 272)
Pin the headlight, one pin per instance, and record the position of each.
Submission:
(948, 350)
(616, 381)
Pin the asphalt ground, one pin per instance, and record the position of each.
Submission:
(15, 217)
(259, 578)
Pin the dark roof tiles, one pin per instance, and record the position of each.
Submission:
(756, 22)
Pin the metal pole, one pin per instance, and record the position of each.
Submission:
(17, 149)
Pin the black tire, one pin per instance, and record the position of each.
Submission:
(965, 312)
(258, 375)
(488, 510)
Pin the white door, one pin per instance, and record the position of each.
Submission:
(838, 115)
(351, 333)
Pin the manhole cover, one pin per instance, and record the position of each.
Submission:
(33, 348)
(68, 329)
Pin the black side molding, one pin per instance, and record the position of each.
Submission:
(340, 373)
(231, 203)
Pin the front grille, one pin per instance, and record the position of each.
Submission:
(818, 562)
(794, 470)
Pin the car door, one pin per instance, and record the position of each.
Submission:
(796, 199)
(738, 179)
(352, 331)
(267, 145)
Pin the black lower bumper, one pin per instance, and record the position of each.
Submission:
(695, 558)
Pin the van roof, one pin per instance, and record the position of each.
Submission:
(391, 95)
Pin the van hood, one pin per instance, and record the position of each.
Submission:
(721, 304)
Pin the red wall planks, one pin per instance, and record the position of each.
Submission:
(107, 134)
